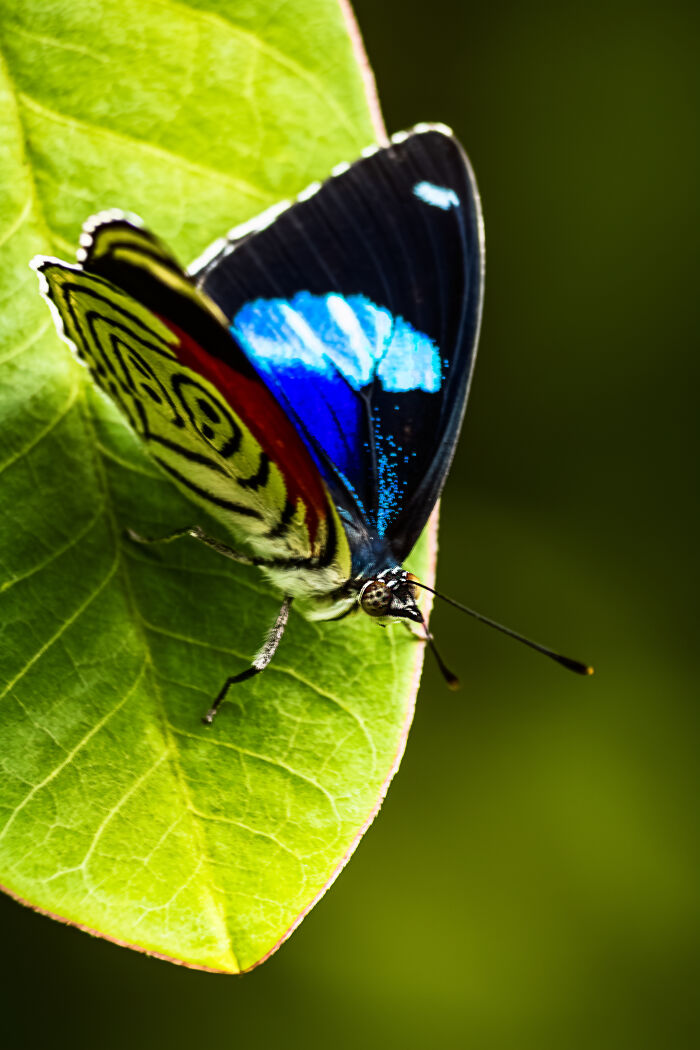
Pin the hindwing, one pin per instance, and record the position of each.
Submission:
(183, 410)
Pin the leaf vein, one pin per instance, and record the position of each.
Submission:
(217, 818)
(271, 52)
(44, 433)
(274, 667)
(62, 629)
(276, 763)
(28, 342)
(71, 754)
(196, 571)
(16, 222)
(131, 790)
(74, 539)
(55, 42)
(107, 453)
(160, 152)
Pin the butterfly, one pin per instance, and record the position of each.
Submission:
(305, 381)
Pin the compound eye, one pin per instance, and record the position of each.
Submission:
(375, 598)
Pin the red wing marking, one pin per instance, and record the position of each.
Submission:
(257, 408)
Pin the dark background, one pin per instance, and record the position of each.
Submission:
(531, 881)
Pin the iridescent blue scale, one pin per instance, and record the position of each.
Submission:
(317, 353)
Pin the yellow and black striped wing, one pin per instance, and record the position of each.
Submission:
(209, 422)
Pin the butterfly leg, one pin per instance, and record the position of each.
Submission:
(196, 532)
(450, 677)
(260, 662)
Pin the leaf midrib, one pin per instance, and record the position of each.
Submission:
(199, 838)
(120, 570)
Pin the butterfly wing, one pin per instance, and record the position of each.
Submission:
(360, 305)
(161, 351)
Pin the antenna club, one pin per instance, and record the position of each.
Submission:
(453, 682)
(573, 665)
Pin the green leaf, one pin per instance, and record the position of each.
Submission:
(119, 811)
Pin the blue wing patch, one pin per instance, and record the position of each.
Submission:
(439, 196)
(329, 335)
(319, 353)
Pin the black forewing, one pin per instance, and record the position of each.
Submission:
(369, 231)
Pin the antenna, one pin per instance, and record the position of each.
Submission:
(571, 665)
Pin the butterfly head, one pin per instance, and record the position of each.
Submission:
(390, 595)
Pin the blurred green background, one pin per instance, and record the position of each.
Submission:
(532, 878)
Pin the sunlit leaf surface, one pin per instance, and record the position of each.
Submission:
(119, 811)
